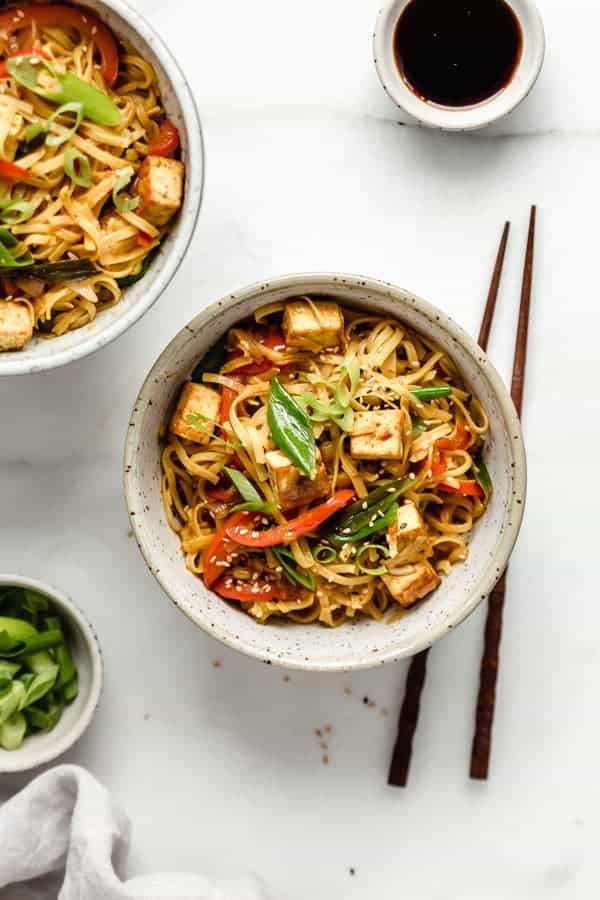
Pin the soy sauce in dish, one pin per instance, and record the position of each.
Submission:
(457, 52)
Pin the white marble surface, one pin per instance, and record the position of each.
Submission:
(309, 169)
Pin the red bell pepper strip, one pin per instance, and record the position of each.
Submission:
(11, 172)
(273, 339)
(166, 141)
(228, 395)
(468, 488)
(460, 441)
(222, 494)
(438, 465)
(57, 14)
(249, 592)
(144, 240)
(217, 555)
(243, 533)
(30, 52)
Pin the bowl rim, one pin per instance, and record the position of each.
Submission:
(9, 763)
(474, 116)
(487, 579)
(93, 342)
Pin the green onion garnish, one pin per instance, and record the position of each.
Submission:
(364, 570)
(253, 502)
(425, 395)
(55, 140)
(122, 203)
(15, 212)
(324, 554)
(292, 571)
(77, 167)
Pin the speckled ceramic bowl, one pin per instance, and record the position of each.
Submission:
(364, 643)
(39, 749)
(40, 353)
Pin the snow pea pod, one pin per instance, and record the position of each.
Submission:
(291, 429)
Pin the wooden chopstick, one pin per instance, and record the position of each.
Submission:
(415, 680)
(488, 676)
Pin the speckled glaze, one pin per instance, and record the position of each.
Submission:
(44, 748)
(466, 118)
(365, 643)
(41, 354)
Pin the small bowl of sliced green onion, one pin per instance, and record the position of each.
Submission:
(50, 673)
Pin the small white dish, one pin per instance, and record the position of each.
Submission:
(467, 118)
(42, 353)
(364, 643)
(38, 749)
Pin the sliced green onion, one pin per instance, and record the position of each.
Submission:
(35, 130)
(71, 690)
(36, 686)
(254, 506)
(425, 395)
(55, 140)
(292, 571)
(124, 204)
(39, 685)
(253, 501)
(34, 605)
(482, 476)
(350, 370)
(12, 731)
(11, 700)
(15, 212)
(324, 554)
(197, 420)
(364, 570)
(339, 409)
(62, 654)
(243, 485)
(8, 669)
(13, 255)
(418, 427)
(77, 166)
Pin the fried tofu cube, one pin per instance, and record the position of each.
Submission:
(313, 326)
(160, 186)
(408, 526)
(377, 434)
(201, 404)
(293, 488)
(419, 580)
(16, 325)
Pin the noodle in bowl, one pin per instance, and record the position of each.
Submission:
(101, 222)
(366, 639)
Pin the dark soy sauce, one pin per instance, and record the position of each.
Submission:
(457, 52)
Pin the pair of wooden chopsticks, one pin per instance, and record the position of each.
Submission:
(486, 701)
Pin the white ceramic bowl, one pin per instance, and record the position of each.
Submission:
(39, 749)
(364, 643)
(465, 118)
(178, 100)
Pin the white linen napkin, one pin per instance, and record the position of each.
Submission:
(64, 829)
